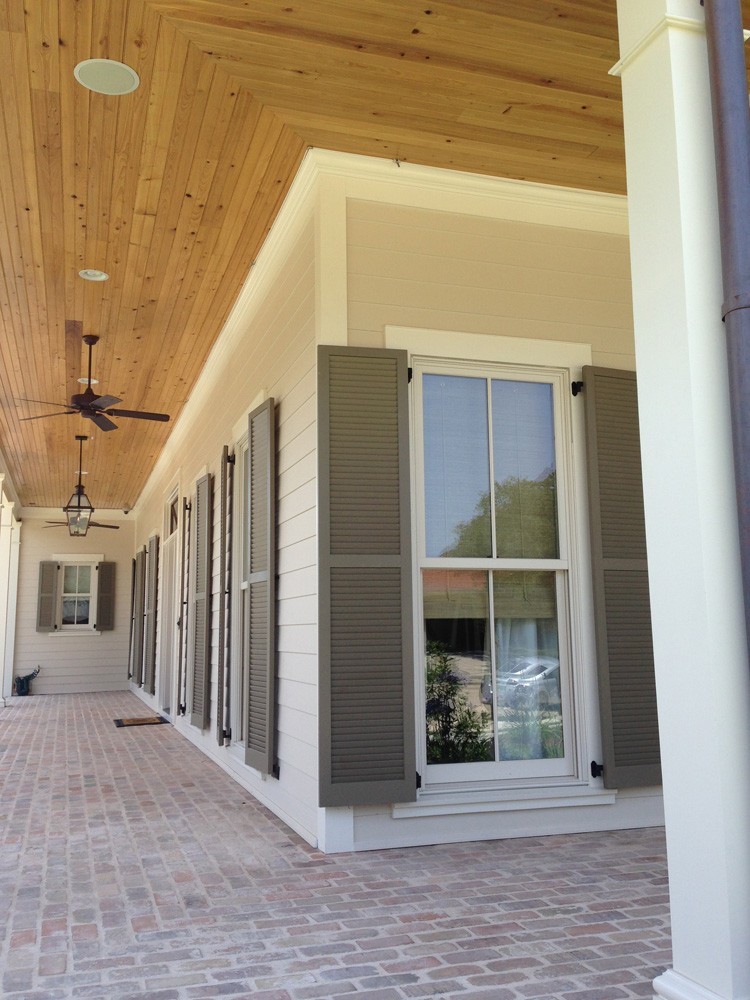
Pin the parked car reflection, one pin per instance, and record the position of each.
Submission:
(532, 683)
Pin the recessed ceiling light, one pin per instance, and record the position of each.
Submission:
(93, 274)
(106, 76)
(89, 381)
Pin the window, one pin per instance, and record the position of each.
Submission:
(494, 573)
(78, 604)
(76, 595)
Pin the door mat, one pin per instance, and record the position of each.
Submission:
(142, 720)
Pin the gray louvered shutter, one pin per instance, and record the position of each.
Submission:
(225, 575)
(149, 617)
(201, 674)
(139, 588)
(105, 597)
(627, 688)
(367, 738)
(46, 609)
(261, 590)
(183, 617)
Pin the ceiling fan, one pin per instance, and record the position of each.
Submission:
(96, 408)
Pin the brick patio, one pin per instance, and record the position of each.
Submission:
(133, 867)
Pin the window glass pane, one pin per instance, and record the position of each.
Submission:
(458, 668)
(84, 580)
(456, 459)
(69, 611)
(82, 611)
(523, 446)
(527, 675)
(70, 579)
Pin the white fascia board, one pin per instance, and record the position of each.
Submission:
(371, 178)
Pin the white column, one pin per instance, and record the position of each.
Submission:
(10, 537)
(703, 683)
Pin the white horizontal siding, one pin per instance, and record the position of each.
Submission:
(444, 271)
(73, 662)
(270, 352)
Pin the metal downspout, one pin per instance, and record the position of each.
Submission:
(731, 123)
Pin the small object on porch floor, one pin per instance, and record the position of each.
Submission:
(141, 720)
(22, 685)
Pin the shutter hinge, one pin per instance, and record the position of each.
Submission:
(576, 388)
(182, 709)
(597, 770)
(230, 459)
(419, 780)
(226, 735)
(409, 374)
(276, 772)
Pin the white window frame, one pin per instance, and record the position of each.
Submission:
(549, 361)
(74, 559)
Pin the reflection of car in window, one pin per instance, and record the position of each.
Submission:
(532, 683)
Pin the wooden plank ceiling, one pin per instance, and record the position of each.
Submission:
(172, 189)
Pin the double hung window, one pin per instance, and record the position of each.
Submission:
(494, 573)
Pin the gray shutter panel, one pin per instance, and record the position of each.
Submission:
(260, 749)
(182, 620)
(625, 659)
(149, 618)
(225, 575)
(105, 597)
(201, 686)
(136, 669)
(46, 609)
(367, 730)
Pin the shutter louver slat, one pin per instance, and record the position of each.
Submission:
(366, 693)
(627, 688)
(260, 669)
(201, 674)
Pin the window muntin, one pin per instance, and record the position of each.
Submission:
(494, 581)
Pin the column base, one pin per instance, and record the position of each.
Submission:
(672, 986)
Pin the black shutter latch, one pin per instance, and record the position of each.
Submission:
(419, 780)
(597, 770)
(576, 388)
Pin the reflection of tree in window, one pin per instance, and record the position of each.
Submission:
(526, 521)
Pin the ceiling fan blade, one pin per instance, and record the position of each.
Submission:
(44, 402)
(112, 527)
(102, 422)
(104, 402)
(66, 413)
(139, 414)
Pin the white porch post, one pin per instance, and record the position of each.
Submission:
(703, 683)
(10, 537)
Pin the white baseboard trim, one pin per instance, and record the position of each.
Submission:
(672, 986)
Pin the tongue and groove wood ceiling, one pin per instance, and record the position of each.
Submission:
(172, 189)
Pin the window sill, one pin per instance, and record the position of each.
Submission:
(75, 632)
(445, 803)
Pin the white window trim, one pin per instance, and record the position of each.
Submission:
(77, 559)
(544, 357)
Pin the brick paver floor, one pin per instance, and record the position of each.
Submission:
(131, 866)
